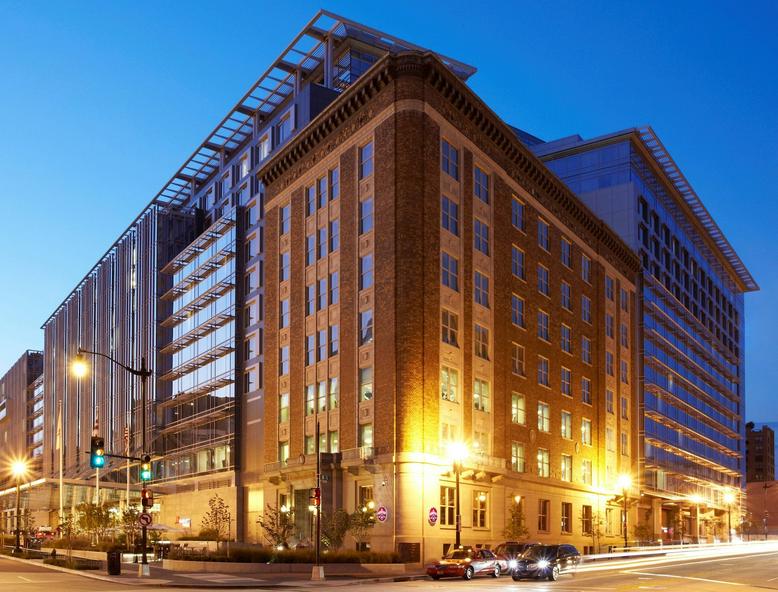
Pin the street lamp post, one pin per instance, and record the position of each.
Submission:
(458, 453)
(624, 483)
(80, 369)
(697, 500)
(19, 470)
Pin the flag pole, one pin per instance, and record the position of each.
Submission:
(61, 450)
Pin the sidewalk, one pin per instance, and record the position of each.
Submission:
(169, 579)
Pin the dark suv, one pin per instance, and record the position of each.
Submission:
(547, 561)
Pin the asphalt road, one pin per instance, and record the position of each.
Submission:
(752, 571)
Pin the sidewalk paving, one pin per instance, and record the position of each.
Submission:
(160, 577)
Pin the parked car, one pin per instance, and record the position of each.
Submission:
(547, 561)
(508, 552)
(465, 563)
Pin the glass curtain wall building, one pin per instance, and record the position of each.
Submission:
(692, 379)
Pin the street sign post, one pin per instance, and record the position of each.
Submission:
(144, 519)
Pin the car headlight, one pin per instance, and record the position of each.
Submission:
(543, 564)
(512, 564)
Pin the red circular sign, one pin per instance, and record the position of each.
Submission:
(382, 513)
(433, 516)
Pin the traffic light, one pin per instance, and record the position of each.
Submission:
(146, 498)
(145, 468)
(316, 497)
(97, 453)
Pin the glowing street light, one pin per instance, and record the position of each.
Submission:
(79, 366)
(696, 499)
(19, 468)
(457, 454)
(624, 482)
(729, 499)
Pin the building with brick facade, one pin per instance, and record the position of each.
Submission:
(361, 245)
(760, 453)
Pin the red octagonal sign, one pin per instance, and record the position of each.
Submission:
(433, 516)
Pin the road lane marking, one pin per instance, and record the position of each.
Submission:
(772, 579)
(25, 579)
(658, 575)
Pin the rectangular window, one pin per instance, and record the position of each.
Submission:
(518, 462)
(609, 364)
(447, 506)
(365, 272)
(334, 288)
(567, 296)
(544, 507)
(310, 399)
(517, 213)
(625, 300)
(334, 236)
(481, 289)
(321, 243)
(283, 314)
(310, 349)
(566, 381)
(449, 328)
(624, 336)
(449, 160)
(517, 310)
(586, 350)
(586, 390)
(517, 359)
(366, 160)
(609, 325)
(366, 215)
(310, 200)
(321, 396)
(283, 360)
(481, 236)
(284, 268)
(284, 219)
(449, 384)
(566, 339)
(322, 299)
(310, 249)
(365, 326)
(610, 443)
(543, 325)
(366, 383)
(542, 371)
(449, 271)
(248, 382)
(586, 309)
(334, 393)
(284, 128)
(449, 215)
(624, 371)
(609, 401)
(481, 395)
(481, 185)
(310, 445)
(567, 425)
(543, 234)
(321, 192)
(544, 463)
(283, 452)
(479, 509)
(283, 407)
(517, 262)
(567, 253)
(586, 431)
(366, 435)
(322, 344)
(264, 147)
(567, 507)
(481, 341)
(334, 194)
(624, 444)
(586, 471)
(586, 520)
(609, 291)
(544, 417)
(518, 409)
(586, 269)
(543, 280)
(624, 408)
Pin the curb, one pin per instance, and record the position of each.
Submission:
(155, 582)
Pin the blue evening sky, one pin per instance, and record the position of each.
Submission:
(100, 102)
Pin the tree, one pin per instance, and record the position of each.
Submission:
(593, 526)
(217, 518)
(360, 523)
(94, 519)
(129, 525)
(516, 528)
(643, 532)
(67, 528)
(277, 525)
(334, 526)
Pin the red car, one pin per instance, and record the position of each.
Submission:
(465, 563)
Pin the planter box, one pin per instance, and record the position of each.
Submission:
(63, 553)
(340, 569)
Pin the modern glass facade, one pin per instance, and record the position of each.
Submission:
(692, 314)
